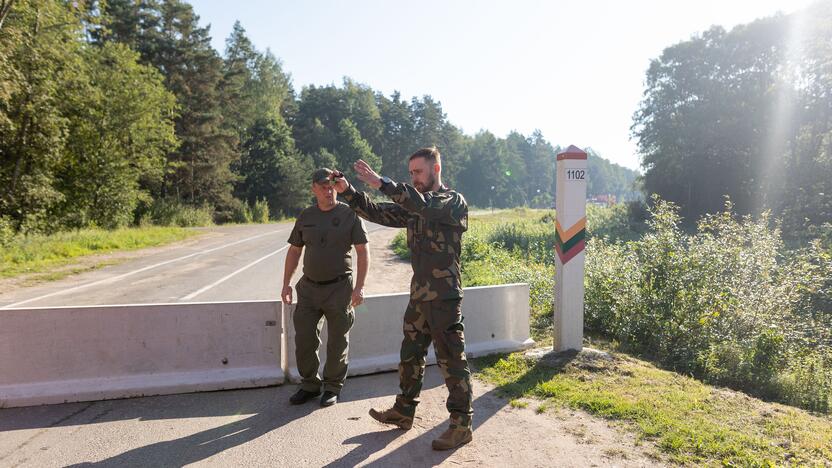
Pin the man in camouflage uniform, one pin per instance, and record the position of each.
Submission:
(435, 218)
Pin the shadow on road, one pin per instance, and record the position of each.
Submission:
(267, 409)
(182, 406)
(418, 452)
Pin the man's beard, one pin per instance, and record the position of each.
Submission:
(428, 186)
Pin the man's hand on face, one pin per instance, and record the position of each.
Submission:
(366, 174)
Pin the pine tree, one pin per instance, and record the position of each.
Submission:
(273, 169)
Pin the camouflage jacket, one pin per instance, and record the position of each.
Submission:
(435, 222)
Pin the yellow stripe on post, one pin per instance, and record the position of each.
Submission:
(566, 235)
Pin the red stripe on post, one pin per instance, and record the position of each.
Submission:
(575, 250)
(573, 152)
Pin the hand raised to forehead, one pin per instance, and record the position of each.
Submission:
(340, 180)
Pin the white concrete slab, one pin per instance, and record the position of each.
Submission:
(69, 354)
(72, 354)
(496, 320)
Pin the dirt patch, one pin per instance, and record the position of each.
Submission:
(388, 273)
(536, 435)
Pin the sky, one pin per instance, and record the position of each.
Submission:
(573, 70)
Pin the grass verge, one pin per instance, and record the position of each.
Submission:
(690, 422)
(39, 253)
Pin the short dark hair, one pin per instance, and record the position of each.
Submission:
(431, 154)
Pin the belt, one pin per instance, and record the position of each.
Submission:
(334, 280)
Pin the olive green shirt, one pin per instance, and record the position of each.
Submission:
(328, 237)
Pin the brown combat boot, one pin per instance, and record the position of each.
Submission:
(392, 416)
(453, 437)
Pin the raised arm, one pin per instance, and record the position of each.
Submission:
(387, 214)
(445, 207)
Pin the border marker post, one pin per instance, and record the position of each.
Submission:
(570, 239)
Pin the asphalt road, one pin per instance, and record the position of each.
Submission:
(258, 427)
(233, 263)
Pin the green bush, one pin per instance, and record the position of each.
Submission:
(755, 369)
(238, 211)
(725, 303)
(399, 245)
(621, 222)
(807, 382)
(260, 211)
(812, 267)
(172, 213)
(6, 231)
(192, 216)
(241, 213)
(534, 239)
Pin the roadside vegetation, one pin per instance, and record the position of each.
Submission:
(688, 422)
(517, 246)
(723, 304)
(54, 256)
(40, 253)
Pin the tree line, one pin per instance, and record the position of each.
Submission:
(747, 114)
(111, 112)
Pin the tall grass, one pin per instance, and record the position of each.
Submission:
(693, 424)
(158, 223)
(172, 213)
(727, 303)
(519, 247)
(37, 252)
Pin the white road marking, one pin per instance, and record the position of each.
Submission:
(231, 275)
(131, 273)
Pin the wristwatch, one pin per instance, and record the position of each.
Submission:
(385, 180)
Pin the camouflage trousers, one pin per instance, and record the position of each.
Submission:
(439, 321)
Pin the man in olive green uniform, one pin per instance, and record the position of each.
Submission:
(435, 218)
(327, 230)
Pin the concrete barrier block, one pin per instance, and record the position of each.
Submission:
(496, 320)
(375, 337)
(68, 354)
